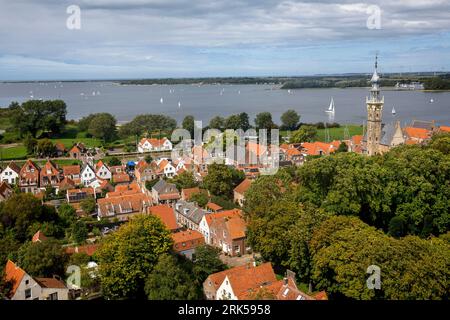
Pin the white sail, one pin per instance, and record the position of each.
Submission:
(161, 100)
(179, 104)
(393, 110)
(331, 107)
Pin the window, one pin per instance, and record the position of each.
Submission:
(27, 293)
(27, 282)
(53, 296)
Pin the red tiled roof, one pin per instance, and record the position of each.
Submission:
(444, 128)
(88, 249)
(417, 133)
(217, 215)
(169, 196)
(188, 192)
(186, 240)
(39, 236)
(71, 170)
(13, 166)
(166, 214)
(50, 283)
(357, 140)
(213, 206)
(60, 146)
(243, 186)
(75, 149)
(13, 274)
(121, 177)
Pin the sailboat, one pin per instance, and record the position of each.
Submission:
(431, 100)
(161, 100)
(331, 107)
(393, 111)
(179, 104)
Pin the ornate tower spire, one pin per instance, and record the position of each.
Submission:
(374, 112)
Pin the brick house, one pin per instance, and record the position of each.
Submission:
(229, 234)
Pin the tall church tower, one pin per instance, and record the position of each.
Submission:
(374, 111)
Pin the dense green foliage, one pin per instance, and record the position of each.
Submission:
(170, 281)
(334, 216)
(42, 259)
(128, 255)
(185, 180)
(103, 126)
(264, 120)
(147, 124)
(289, 120)
(305, 133)
(36, 116)
(222, 179)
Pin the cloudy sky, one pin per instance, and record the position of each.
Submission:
(194, 38)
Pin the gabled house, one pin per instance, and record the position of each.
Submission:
(73, 172)
(164, 192)
(5, 191)
(205, 223)
(29, 177)
(167, 216)
(123, 207)
(10, 174)
(229, 234)
(188, 214)
(152, 144)
(87, 175)
(239, 191)
(166, 168)
(50, 175)
(26, 287)
(236, 283)
(145, 172)
(102, 171)
(60, 149)
(121, 178)
(185, 242)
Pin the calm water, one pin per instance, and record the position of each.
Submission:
(205, 102)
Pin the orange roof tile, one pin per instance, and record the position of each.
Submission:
(38, 236)
(71, 170)
(227, 213)
(444, 128)
(166, 214)
(357, 140)
(243, 186)
(121, 177)
(186, 240)
(417, 133)
(189, 192)
(50, 283)
(213, 206)
(13, 274)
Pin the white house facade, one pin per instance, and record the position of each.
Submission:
(9, 175)
(88, 175)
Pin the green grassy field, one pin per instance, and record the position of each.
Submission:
(16, 152)
(338, 133)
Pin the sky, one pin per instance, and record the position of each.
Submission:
(123, 39)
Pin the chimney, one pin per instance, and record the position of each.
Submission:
(285, 281)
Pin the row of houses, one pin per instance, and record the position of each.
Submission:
(251, 281)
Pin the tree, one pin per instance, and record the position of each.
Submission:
(188, 124)
(19, 212)
(45, 148)
(30, 143)
(83, 124)
(147, 123)
(263, 120)
(129, 254)
(290, 119)
(114, 161)
(43, 259)
(79, 232)
(103, 126)
(342, 147)
(148, 158)
(169, 281)
(217, 123)
(222, 179)
(185, 180)
(34, 116)
(244, 121)
(305, 133)
(206, 262)
(201, 198)
(88, 205)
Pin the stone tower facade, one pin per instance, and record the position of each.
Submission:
(374, 113)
